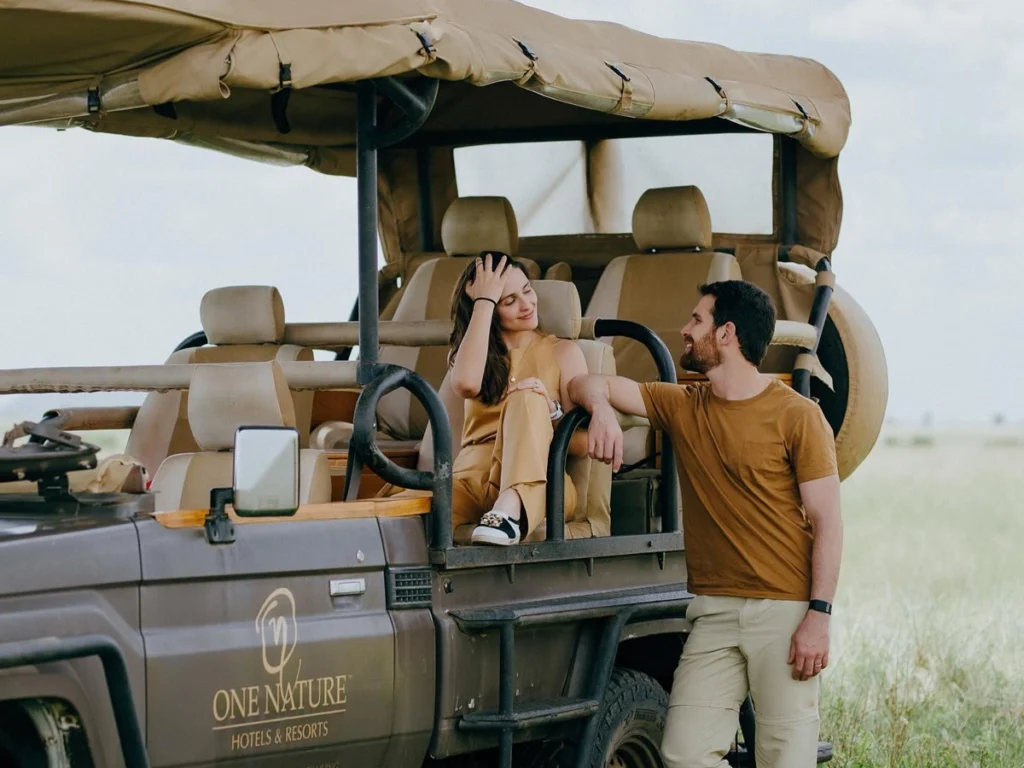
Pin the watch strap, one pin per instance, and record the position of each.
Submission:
(821, 606)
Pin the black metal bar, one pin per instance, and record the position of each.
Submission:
(197, 339)
(364, 445)
(558, 551)
(49, 650)
(787, 167)
(366, 184)
(344, 353)
(596, 128)
(558, 453)
(671, 517)
(417, 107)
(404, 97)
(817, 318)
(424, 199)
(601, 675)
(506, 689)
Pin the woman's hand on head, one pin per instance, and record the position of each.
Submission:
(489, 281)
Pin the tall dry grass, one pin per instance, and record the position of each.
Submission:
(927, 666)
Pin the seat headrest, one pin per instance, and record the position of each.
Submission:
(224, 397)
(475, 224)
(671, 218)
(558, 308)
(243, 314)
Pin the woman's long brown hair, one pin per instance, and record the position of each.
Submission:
(498, 363)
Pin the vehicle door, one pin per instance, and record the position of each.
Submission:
(276, 645)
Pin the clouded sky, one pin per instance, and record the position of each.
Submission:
(109, 243)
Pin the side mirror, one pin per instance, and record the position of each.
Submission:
(266, 471)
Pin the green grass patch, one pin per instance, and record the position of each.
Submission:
(927, 667)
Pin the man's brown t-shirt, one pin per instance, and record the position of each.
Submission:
(740, 465)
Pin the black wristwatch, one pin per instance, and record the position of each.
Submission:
(820, 605)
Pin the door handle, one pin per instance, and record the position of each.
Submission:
(347, 587)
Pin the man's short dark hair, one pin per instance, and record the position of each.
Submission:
(748, 308)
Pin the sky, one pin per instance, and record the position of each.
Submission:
(108, 243)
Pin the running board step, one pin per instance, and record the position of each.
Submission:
(533, 714)
(741, 758)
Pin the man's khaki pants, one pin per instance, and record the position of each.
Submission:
(739, 645)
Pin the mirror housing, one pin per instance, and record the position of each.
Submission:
(266, 472)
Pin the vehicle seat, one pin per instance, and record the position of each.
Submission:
(245, 324)
(223, 398)
(470, 225)
(558, 306)
(659, 286)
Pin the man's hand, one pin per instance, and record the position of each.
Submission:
(604, 437)
(808, 650)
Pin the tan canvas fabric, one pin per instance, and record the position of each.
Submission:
(219, 64)
(202, 50)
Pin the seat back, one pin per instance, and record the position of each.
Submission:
(558, 307)
(245, 324)
(223, 398)
(659, 286)
(470, 225)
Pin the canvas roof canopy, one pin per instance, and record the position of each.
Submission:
(273, 80)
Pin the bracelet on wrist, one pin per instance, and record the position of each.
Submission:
(484, 298)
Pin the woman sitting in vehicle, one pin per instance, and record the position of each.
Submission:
(514, 379)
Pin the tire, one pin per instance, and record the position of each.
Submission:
(631, 723)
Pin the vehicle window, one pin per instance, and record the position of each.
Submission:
(734, 171)
(546, 183)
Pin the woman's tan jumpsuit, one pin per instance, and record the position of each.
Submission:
(506, 445)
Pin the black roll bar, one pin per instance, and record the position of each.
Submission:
(671, 521)
(197, 339)
(51, 649)
(363, 447)
(366, 193)
(819, 313)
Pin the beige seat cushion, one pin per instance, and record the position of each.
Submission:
(222, 399)
(247, 325)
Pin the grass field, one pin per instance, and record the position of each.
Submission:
(927, 667)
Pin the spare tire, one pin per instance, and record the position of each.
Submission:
(851, 351)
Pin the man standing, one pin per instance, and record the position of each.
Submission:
(760, 493)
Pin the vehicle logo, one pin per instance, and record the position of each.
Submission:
(288, 708)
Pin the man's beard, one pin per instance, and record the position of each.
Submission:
(702, 356)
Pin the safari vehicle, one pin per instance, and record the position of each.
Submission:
(237, 587)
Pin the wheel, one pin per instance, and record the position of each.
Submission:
(631, 723)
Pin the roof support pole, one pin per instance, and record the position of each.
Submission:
(425, 199)
(366, 192)
(788, 150)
